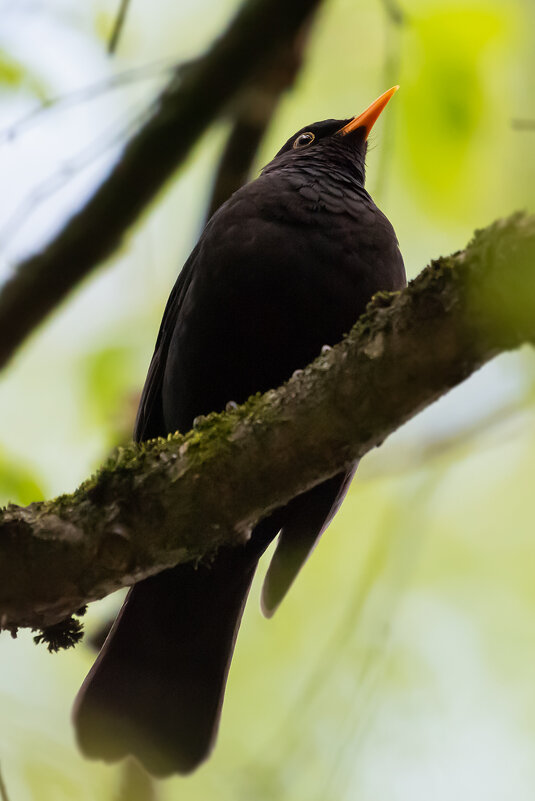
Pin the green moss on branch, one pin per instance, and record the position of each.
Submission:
(154, 505)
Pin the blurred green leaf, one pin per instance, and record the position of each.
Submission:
(106, 386)
(12, 73)
(17, 482)
(448, 101)
(15, 74)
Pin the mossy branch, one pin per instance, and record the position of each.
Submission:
(154, 505)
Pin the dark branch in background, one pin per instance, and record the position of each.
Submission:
(394, 11)
(186, 108)
(523, 125)
(3, 790)
(141, 512)
(253, 115)
(118, 26)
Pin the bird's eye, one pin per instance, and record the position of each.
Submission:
(304, 139)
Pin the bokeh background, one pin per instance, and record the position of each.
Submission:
(401, 666)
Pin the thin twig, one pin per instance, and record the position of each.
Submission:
(118, 27)
(114, 136)
(86, 93)
(3, 790)
(390, 76)
(394, 11)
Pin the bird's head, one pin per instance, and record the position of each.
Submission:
(335, 144)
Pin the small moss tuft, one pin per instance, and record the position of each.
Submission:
(65, 634)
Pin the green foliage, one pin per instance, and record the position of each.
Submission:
(15, 74)
(108, 398)
(450, 110)
(18, 484)
(12, 73)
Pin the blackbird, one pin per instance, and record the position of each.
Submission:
(284, 267)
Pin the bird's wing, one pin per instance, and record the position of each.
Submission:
(305, 520)
(149, 420)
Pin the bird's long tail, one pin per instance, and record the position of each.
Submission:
(156, 689)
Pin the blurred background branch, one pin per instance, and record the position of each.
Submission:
(118, 26)
(189, 104)
(136, 784)
(523, 125)
(3, 790)
(253, 114)
(394, 11)
(84, 94)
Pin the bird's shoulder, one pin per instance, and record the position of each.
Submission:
(309, 198)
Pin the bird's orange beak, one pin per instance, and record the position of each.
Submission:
(368, 118)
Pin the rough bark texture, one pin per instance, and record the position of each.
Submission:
(195, 97)
(154, 505)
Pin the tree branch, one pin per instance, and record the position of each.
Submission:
(160, 503)
(253, 115)
(198, 95)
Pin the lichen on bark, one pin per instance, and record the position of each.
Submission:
(171, 500)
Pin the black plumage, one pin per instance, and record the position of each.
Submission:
(284, 267)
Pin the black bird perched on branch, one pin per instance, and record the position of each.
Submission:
(284, 267)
